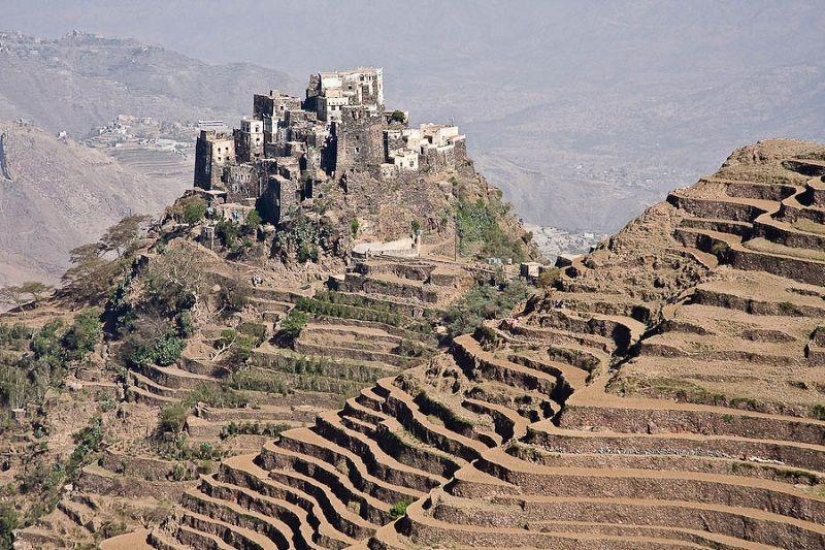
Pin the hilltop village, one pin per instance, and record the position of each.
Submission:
(277, 158)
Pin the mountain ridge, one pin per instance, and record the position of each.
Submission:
(99, 78)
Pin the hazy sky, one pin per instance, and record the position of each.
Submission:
(624, 98)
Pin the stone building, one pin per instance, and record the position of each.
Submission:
(278, 156)
(214, 150)
(328, 92)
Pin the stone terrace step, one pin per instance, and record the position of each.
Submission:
(424, 530)
(174, 377)
(234, 524)
(305, 530)
(804, 457)
(309, 448)
(234, 536)
(480, 364)
(296, 488)
(638, 415)
(754, 493)
(151, 386)
(144, 396)
(329, 425)
(291, 468)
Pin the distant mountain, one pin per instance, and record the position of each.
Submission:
(82, 80)
(56, 194)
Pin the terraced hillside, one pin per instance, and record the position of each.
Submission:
(666, 393)
(235, 401)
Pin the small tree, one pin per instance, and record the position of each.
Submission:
(13, 295)
(91, 276)
(398, 116)
(354, 226)
(172, 418)
(234, 294)
(253, 219)
(84, 334)
(194, 210)
(122, 236)
(293, 324)
(36, 290)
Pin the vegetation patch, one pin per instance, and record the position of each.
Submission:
(484, 302)
(399, 509)
(480, 232)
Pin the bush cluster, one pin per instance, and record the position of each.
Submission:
(480, 232)
(481, 302)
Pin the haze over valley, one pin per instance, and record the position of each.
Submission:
(584, 113)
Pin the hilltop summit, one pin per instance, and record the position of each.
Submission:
(339, 162)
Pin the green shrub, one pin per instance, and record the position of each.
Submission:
(408, 348)
(293, 324)
(221, 396)
(227, 231)
(479, 231)
(172, 418)
(354, 226)
(549, 277)
(487, 337)
(168, 349)
(719, 248)
(256, 331)
(47, 342)
(9, 521)
(819, 412)
(483, 302)
(399, 509)
(398, 116)
(15, 336)
(194, 210)
(257, 380)
(186, 324)
(253, 428)
(84, 334)
(253, 219)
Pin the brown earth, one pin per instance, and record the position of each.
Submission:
(666, 393)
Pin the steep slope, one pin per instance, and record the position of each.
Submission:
(56, 194)
(94, 79)
(667, 393)
(707, 431)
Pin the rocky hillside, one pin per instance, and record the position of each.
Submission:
(177, 343)
(56, 194)
(94, 79)
(666, 392)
